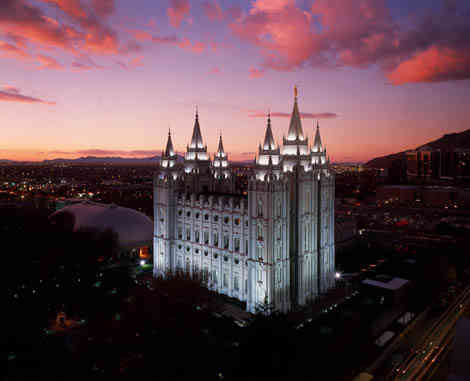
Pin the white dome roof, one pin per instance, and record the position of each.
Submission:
(134, 229)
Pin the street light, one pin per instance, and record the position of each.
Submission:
(337, 275)
(142, 262)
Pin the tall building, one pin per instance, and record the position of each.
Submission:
(272, 243)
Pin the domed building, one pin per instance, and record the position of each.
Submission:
(134, 230)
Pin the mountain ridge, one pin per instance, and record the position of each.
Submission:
(448, 142)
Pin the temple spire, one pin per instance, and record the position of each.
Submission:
(220, 149)
(169, 151)
(196, 141)
(317, 145)
(268, 137)
(295, 126)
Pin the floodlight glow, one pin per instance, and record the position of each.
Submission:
(142, 262)
(337, 275)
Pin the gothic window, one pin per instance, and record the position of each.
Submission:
(180, 264)
(188, 265)
(278, 232)
(206, 237)
(180, 232)
(214, 276)
(259, 253)
(180, 212)
(225, 280)
(205, 273)
(216, 239)
(260, 208)
(246, 246)
(226, 220)
(278, 252)
(237, 244)
(260, 276)
(237, 221)
(259, 231)
(206, 253)
(225, 258)
(188, 233)
(206, 217)
(279, 207)
(216, 218)
(215, 256)
(188, 214)
(226, 241)
(246, 223)
(246, 286)
(278, 275)
(235, 283)
(195, 269)
(197, 215)
(196, 235)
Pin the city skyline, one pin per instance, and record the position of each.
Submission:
(105, 78)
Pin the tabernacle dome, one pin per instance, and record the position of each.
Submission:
(134, 229)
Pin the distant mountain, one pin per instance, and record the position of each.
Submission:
(96, 159)
(447, 143)
(91, 160)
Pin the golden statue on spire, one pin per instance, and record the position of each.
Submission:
(295, 91)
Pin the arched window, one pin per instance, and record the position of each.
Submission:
(260, 207)
(259, 231)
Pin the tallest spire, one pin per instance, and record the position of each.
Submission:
(196, 141)
(295, 126)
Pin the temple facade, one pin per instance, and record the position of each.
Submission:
(270, 242)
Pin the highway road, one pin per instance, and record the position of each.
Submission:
(434, 344)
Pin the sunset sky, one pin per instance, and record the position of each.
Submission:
(109, 77)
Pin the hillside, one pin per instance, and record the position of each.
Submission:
(448, 142)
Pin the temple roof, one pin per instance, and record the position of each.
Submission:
(196, 141)
(317, 146)
(169, 151)
(295, 127)
(220, 149)
(268, 137)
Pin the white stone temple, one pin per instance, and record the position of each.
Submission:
(268, 243)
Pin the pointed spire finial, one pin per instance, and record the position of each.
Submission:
(197, 113)
(295, 91)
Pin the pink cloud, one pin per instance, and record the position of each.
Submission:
(281, 30)
(333, 33)
(178, 11)
(14, 95)
(136, 62)
(13, 51)
(103, 8)
(48, 62)
(212, 10)
(84, 62)
(83, 29)
(11, 89)
(256, 73)
(197, 47)
(141, 35)
(304, 115)
(435, 64)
